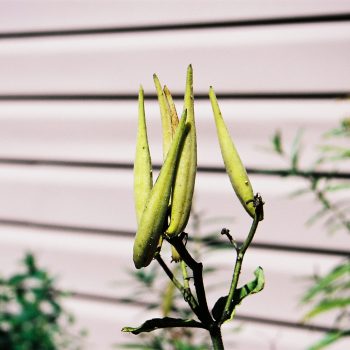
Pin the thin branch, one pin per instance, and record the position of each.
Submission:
(226, 232)
(185, 275)
(186, 292)
(171, 276)
(229, 306)
(197, 269)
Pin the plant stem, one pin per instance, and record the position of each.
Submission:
(197, 269)
(229, 306)
(186, 292)
(185, 275)
(251, 233)
(216, 338)
(171, 276)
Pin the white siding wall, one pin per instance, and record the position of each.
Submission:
(69, 75)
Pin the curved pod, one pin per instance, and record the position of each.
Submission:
(154, 217)
(143, 179)
(233, 164)
(165, 116)
(181, 201)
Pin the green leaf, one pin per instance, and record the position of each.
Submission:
(323, 283)
(329, 339)
(158, 323)
(253, 286)
(342, 130)
(17, 279)
(334, 149)
(326, 305)
(219, 307)
(30, 263)
(337, 187)
(277, 142)
(250, 288)
(295, 150)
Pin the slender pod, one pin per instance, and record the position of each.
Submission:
(154, 216)
(168, 119)
(181, 201)
(175, 256)
(172, 109)
(143, 180)
(233, 164)
(165, 116)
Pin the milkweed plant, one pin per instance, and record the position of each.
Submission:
(163, 209)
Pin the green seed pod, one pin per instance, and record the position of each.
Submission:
(154, 217)
(165, 117)
(181, 201)
(172, 109)
(143, 181)
(233, 164)
(175, 256)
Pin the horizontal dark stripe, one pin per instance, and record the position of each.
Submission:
(273, 95)
(252, 319)
(287, 324)
(281, 247)
(73, 164)
(131, 234)
(328, 18)
(65, 228)
(109, 299)
(203, 169)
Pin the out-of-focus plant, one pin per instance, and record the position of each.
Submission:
(331, 292)
(163, 210)
(31, 314)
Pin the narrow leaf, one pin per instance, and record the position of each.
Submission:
(250, 288)
(253, 286)
(295, 151)
(329, 339)
(277, 142)
(335, 274)
(327, 305)
(337, 187)
(158, 323)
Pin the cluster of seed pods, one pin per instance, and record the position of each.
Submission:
(163, 208)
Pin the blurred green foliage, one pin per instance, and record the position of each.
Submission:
(31, 314)
(330, 292)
